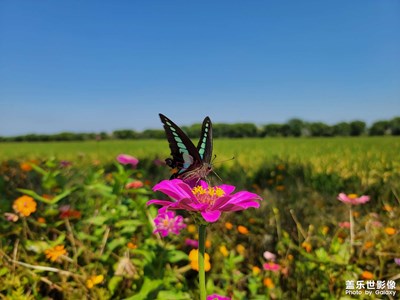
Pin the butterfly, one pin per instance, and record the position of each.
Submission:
(188, 162)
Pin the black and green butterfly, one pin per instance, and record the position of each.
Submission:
(188, 162)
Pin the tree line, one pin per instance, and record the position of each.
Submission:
(292, 128)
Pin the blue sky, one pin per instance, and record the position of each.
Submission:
(105, 65)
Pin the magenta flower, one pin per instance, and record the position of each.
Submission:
(126, 159)
(217, 297)
(168, 222)
(271, 267)
(192, 243)
(344, 224)
(352, 199)
(210, 202)
(397, 261)
(269, 256)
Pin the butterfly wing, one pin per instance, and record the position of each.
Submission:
(205, 144)
(185, 155)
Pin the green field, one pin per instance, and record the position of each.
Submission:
(319, 241)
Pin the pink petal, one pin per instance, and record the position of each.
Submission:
(343, 197)
(175, 189)
(228, 189)
(126, 159)
(211, 216)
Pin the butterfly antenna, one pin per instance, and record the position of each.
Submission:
(221, 161)
(216, 174)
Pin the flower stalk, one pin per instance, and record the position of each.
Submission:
(202, 274)
(351, 230)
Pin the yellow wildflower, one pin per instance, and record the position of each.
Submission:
(54, 253)
(224, 250)
(24, 205)
(191, 228)
(241, 249)
(368, 244)
(390, 230)
(194, 260)
(93, 280)
(256, 270)
(307, 246)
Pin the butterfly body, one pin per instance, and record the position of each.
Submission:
(189, 162)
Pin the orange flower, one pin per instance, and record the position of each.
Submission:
(290, 257)
(268, 283)
(93, 280)
(191, 228)
(356, 214)
(280, 188)
(25, 166)
(24, 205)
(131, 245)
(387, 207)
(368, 244)
(390, 230)
(228, 225)
(136, 184)
(325, 230)
(242, 229)
(208, 244)
(367, 275)
(280, 167)
(194, 260)
(41, 220)
(252, 220)
(307, 246)
(54, 253)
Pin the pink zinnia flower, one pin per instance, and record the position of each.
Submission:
(269, 256)
(134, 184)
(167, 222)
(271, 267)
(126, 159)
(397, 261)
(192, 243)
(352, 199)
(344, 224)
(217, 297)
(210, 202)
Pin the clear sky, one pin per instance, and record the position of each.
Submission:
(106, 65)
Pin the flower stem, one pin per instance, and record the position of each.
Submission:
(202, 274)
(351, 231)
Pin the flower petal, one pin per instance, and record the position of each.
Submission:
(175, 189)
(211, 216)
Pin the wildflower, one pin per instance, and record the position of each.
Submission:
(256, 270)
(268, 283)
(252, 220)
(54, 253)
(241, 249)
(67, 212)
(353, 199)
(208, 244)
(290, 257)
(307, 246)
(387, 207)
(194, 263)
(210, 202)
(368, 244)
(397, 261)
(24, 205)
(376, 224)
(131, 245)
(325, 230)
(224, 250)
(243, 229)
(136, 184)
(270, 181)
(11, 217)
(25, 166)
(279, 177)
(41, 220)
(269, 256)
(167, 222)
(367, 275)
(192, 243)
(93, 280)
(65, 163)
(280, 188)
(270, 266)
(126, 159)
(390, 230)
(217, 297)
(344, 224)
(280, 167)
(228, 225)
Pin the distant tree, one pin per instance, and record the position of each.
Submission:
(341, 129)
(270, 130)
(296, 127)
(125, 134)
(379, 128)
(320, 129)
(153, 134)
(394, 125)
(357, 128)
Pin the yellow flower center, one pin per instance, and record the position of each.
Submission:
(208, 195)
(352, 196)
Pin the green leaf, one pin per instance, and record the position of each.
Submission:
(98, 220)
(147, 287)
(173, 295)
(176, 255)
(114, 282)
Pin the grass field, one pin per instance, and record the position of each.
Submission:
(100, 230)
